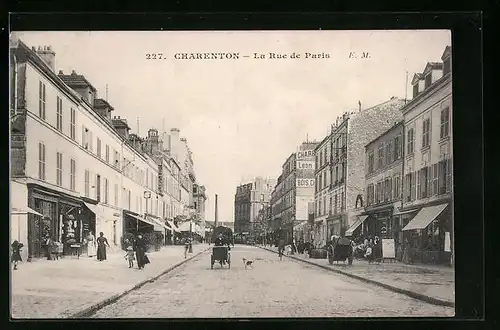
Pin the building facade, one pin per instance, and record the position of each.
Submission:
(249, 199)
(383, 187)
(348, 138)
(293, 192)
(426, 215)
(74, 164)
(322, 196)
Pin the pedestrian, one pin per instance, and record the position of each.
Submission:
(101, 246)
(16, 252)
(91, 245)
(130, 256)
(140, 251)
(369, 253)
(48, 244)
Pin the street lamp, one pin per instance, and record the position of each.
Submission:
(147, 195)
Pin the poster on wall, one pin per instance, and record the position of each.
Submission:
(388, 249)
(447, 242)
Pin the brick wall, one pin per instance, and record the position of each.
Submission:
(364, 127)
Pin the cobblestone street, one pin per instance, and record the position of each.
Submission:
(273, 288)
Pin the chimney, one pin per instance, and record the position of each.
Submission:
(153, 142)
(48, 56)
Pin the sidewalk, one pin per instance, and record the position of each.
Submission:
(59, 289)
(426, 281)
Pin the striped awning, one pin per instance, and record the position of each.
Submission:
(424, 217)
(173, 226)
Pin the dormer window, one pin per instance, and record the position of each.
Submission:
(428, 80)
(415, 90)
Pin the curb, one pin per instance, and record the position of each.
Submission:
(108, 301)
(409, 293)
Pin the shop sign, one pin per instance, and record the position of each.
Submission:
(305, 183)
(305, 165)
(388, 249)
(305, 154)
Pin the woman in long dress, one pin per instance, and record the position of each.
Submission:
(91, 245)
(101, 247)
(16, 253)
(140, 251)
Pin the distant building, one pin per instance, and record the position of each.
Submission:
(249, 199)
(293, 192)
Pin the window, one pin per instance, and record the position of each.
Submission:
(428, 79)
(397, 147)
(59, 122)
(85, 137)
(106, 190)
(371, 162)
(342, 172)
(116, 194)
(324, 179)
(330, 208)
(446, 66)
(261, 197)
(378, 193)
(91, 141)
(320, 158)
(107, 153)
(411, 141)
(388, 152)
(335, 205)
(59, 169)
(98, 147)
(381, 155)
(424, 182)
(72, 175)
(435, 179)
(445, 176)
(397, 187)
(87, 183)
(410, 187)
(426, 132)
(41, 161)
(41, 100)
(387, 189)
(319, 207)
(324, 204)
(98, 187)
(445, 123)
(72, 124)
(415, 90)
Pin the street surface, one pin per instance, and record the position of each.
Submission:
(273, 288)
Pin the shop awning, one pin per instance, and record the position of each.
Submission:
(355, 225)
(173, 226)
(95, 209)
(424, 217)
(24, 210)
(300, 225)
(185, 226)
(148, 221)
(159, 226)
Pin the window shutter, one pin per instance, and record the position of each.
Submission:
(449, 174)
(429, 181)
(418, 185)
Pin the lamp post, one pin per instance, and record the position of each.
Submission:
(147, 195)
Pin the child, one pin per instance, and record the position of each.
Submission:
(130, 257)
(369, 253)
(16, 253)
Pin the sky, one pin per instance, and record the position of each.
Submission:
(242, 117)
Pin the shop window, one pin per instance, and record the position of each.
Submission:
(41, 161)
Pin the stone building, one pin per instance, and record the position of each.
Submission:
(294, 191)
(348, 138)
(249, 200)
(383, 186)
(426, 216)
(322, 187)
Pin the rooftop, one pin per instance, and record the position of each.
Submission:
(75, 79)
(101, 103)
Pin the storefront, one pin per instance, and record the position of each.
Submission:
(334, 224)
(428, 235)
(61, 220)
(356, 230)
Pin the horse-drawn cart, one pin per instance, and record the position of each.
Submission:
(340, 250)
(221, 254)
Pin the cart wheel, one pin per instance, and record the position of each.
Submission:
(212, 262)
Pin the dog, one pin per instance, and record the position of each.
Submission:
(288, 249)
(248, 263)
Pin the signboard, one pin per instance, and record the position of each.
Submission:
(305, 165)
(388, 249)
(447, 242)
(305, 183)
(305, 154)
